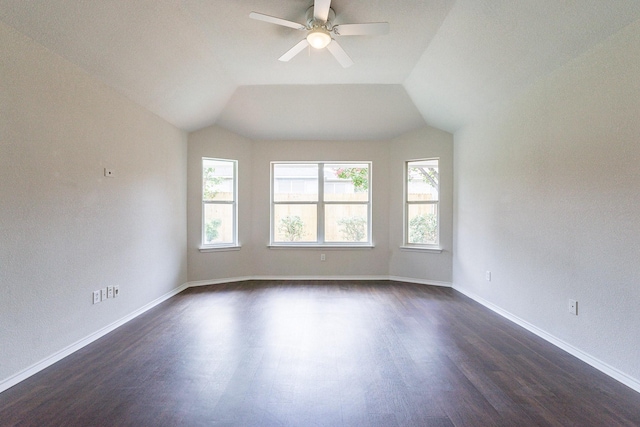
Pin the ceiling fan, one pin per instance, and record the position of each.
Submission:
(320, 31)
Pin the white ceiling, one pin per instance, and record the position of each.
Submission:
(200, 62)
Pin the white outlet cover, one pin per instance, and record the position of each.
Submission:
(109, 173)
(103, 294)
(116, 291)
(96, 297)
(109, 291)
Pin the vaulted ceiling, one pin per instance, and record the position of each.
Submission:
(202, 62)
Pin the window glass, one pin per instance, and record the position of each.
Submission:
(219, 202)
(307, 210)
(423, 224)
(295, 182)
(346, 182)
(295, 223)
(422, 180)
(217, 177)
(346, 223)
(421, 202)
(218, 223)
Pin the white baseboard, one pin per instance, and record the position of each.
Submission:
(585, 357)
(48, 361)
(321, 278)
(197, 283)
(363, 278)
(421, 281)
(280, 278)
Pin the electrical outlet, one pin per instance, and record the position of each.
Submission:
(96, 297)
(323, 257)
(109, 291)
(103, 294)
(109, 173)
(116, 291)
(487, 275)
(573, 307)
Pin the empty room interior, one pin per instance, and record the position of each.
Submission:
(422, 212)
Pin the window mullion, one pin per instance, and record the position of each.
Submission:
(320, 213)
(423, 202)
(295, 203)
(345, 202)
(218, 202)
(348, 213)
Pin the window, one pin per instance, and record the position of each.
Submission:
(321, 204)
(421, 203)
(219, 203)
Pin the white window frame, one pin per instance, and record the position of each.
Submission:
(321, 203)
(435, 247)
(209, 247)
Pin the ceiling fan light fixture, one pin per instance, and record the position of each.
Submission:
(319, 38)
(321, 30)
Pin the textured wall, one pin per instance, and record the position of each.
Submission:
(256, 259)
(424, 143)
(306, 262)
(219, 143)
(547, 198)
(65, 229)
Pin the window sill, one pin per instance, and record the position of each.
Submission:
(312, 246)
(432, 250)
(204, 249)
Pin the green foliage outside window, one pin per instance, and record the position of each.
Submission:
(210, 183)
(211, 229)
(292, 227)
(423, 228)
(353, 229)
(358, 176)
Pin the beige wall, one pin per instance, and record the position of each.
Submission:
(306, 262)
(432, 267)
(65, 229)
(547, 195)
(256, 259)
(216, 142)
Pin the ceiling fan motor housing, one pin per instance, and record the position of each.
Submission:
(312, 23)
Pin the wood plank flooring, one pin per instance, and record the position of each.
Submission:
(329, 353)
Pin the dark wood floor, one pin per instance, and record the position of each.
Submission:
(267, 353)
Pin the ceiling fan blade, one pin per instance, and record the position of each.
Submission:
(321, 10)
(277, 21)
(338, 52)
(294, 51)
(368, 29)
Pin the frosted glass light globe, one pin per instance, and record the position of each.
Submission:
(319, 38)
